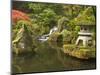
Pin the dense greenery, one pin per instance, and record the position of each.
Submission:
(44, 16)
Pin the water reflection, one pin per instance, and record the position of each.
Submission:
(48, 57)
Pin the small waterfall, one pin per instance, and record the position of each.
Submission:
(46, 36)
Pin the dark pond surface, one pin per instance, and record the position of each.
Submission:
(49, 57)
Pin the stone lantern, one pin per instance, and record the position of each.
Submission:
(85, 35)
(86, 21)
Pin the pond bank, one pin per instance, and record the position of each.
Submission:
(79, 52)
(49, 57)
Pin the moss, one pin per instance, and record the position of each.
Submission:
(23, 41)
(86, 17)
(56, 36)
(79, 52)
(68, 48)
(82, 53)
(92, 53)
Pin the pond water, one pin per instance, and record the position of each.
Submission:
(49, 57)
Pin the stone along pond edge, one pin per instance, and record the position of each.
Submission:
(79, 51)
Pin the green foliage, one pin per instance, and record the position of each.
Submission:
(16, 27)
(36, 8)
(87, 17)
(71, 25)
(69, 36)
(66, 36)
(61, 23)
(47, 20)
(23, 39)
(77, 28)
(45, 16)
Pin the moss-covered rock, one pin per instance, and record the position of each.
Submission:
(23, 40)
(79, 52)
(56, 36)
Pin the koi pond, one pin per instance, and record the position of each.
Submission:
(49, 57)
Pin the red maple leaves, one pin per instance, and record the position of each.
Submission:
(18, 15)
